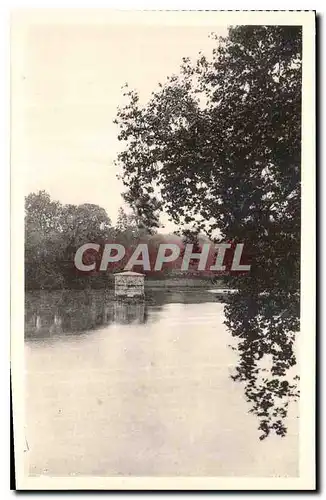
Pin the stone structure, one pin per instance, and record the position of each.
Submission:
(129, 285)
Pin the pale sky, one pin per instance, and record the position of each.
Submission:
(69, 86)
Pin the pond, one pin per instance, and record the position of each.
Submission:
(140, 390)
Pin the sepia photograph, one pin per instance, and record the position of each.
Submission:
(163, 232)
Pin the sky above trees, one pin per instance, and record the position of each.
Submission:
(70, 86)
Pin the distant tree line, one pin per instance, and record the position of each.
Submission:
(54, 232)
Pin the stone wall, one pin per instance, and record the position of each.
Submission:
(129, 286)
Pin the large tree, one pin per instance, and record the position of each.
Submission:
(219, 146)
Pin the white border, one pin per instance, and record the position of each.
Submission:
(306, 479)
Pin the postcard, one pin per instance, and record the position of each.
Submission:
(163, 249)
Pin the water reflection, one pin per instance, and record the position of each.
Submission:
(125, 313)
(61, 315)
(54, 313)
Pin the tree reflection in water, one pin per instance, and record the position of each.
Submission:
(49, 313)
(265, 343)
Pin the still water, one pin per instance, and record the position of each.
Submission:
(142, 390)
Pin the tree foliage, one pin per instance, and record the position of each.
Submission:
(53, 233)
(219, 147)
